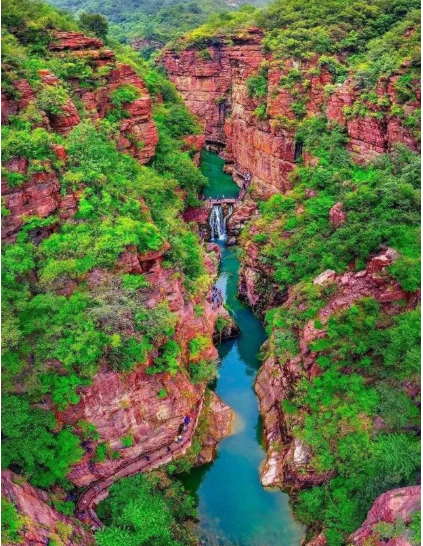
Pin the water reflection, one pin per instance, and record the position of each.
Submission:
(220, 183)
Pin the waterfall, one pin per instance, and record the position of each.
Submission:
(217, 222)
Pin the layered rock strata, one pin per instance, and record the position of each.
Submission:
(256, 135)
(41, 523)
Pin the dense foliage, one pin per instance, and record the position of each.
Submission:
(149, 24)
(381, 201)
(337, 411)
(366, 355)
(53, 344)
(146, 509)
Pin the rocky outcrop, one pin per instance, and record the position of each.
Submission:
(138, 132)
(73, 41)
(256, 283)
(242, 213)
(337, 215)
(147, 408)
(256, 135)
(219, 423)
(376, 132)
(39, 196)
(42, 524)
(389, 510)
(287, 462)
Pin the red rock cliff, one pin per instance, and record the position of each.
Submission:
(213, 83)
(289, 466)
(39, 195)
(42, 524)
(394, 508)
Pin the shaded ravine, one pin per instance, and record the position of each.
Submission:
(234, 509)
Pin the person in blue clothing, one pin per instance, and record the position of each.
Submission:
(186, 420)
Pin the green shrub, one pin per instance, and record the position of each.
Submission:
(146, 509)
(51, 99)
(124, 94)
(257, 85)
(168, 359)
(95, 23)
(11, 523)
(127, 441)
(203, 371)
(32, 445)
(197, 345)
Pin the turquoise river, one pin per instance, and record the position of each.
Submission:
(234, 509)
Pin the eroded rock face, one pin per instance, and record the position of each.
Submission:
(391, 507)
(287, 462)
(42, 524)
(40, 195)
(337, 215)
(214, 87)
(242, 213)
(372, 136)
(138, 133)
(73, 41)
(219, 422)
(257, 135)
(147, 407)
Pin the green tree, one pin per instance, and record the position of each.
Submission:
(95, 23)
(32, 445)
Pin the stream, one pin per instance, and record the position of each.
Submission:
(233, 507)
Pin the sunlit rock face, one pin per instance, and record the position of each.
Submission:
(290, 467)
(395, 508)
(42, 524)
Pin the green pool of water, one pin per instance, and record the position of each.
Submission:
(220, 183)
(234, 509)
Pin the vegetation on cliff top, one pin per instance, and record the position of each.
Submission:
(150, 24)
(146, 509)
(53, 344)
(366, 354)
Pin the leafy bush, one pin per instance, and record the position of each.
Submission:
(127, 441)
(124, 94)
(168, 359)
(203, 371)
(146, 509)
(94, 23)
(11, 523)
(257, 85)
(197, 345)
(52, 98)
(32, 446)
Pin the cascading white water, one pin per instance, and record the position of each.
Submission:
(217, 222)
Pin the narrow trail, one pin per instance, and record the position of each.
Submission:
(98, 490)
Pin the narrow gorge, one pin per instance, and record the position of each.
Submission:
(211, 276)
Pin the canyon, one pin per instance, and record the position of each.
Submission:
(213, 80)
(256, 137)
